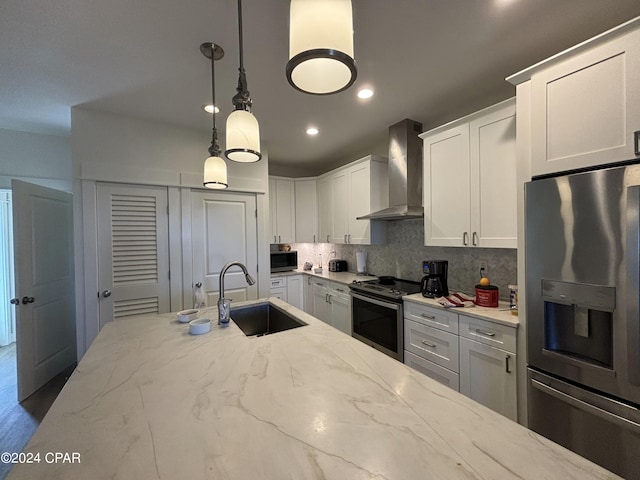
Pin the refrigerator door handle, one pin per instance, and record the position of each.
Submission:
(587, 407)
(633, 283)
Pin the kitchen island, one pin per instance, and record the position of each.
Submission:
(149, 400)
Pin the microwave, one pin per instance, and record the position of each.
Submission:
(284, 261)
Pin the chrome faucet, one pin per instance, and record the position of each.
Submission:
(223, 314)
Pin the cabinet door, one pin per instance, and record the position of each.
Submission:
(432, 344)
(321, 306)
(280, 292)
(294, 291)
(285, 211)
(308, 294)
(340, 207)
(585, 109)
(493, 182)
(446, 188)
(306, 211)
(273, 214)
(341, 312)
(430, 369)
(488, 376)
(325, 209)
(359, 203)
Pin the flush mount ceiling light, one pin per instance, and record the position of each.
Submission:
(312, 131)
(243, 131)
(321, 46)
(215, 170)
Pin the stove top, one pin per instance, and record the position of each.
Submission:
(388, 287)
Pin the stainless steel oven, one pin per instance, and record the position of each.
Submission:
(377, 313)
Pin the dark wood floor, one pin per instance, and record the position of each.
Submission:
(18, 421)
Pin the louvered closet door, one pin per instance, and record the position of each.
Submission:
(133, 250)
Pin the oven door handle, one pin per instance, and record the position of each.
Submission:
(380, 303)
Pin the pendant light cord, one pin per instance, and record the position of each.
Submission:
(242, 99)
(214, 149)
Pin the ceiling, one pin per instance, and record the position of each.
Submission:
(429, 60)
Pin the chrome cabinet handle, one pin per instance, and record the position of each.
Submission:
(26, 300)
(327, 238)
(349, 238)
(430, 317)
(636, 141)
(14, 301)
(329, 301)
(465, 239)
(198, 285)
(279, 239)
(506, 366)
(345, 238)
(314, 238)
(106, 293)
(488, 334)
(474, 239)
(339, 290)
(432, 345)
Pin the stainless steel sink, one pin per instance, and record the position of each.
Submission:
(263, 319)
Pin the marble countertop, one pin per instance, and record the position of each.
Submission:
(149, 401)
(339, 277)
(500, 314)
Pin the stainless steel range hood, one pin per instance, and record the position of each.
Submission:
(405, 173)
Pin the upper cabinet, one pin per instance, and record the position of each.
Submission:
(306, 210)
(470, 180)
(583, 105)
(282, 209)
(350, 192)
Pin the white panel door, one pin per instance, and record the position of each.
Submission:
(224, 229)
(44, 272)
(133, 251)
(446, 188)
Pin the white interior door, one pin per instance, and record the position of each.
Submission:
(224, 229)
(44, 271)
(133, 250)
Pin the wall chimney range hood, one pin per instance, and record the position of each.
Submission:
(405, 174)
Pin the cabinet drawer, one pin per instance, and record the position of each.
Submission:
(277, 282)
(433, 317)
(431, 370)
(489, 333)
(432, 344)
(279, 292)
(338, 289)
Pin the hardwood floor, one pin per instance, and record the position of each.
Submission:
(18, 421)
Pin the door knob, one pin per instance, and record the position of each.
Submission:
(106, 293)
(14, 301)
(26, 300)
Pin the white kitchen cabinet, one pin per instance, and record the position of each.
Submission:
(350, 192)
(332, 304)
(306, 210)
(470, 188)
(583, 104)
(487, 373)
(307, 282)
(474, 356)
(288, 288)
(325, 209)
(488, 376)
(282, 209)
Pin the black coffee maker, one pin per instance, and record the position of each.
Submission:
(434, 283)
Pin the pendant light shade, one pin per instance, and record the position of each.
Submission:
(215, 168)
(321, 46)
(243, 132)
(215, 173)
(243, 137)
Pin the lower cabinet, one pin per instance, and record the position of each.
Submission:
(288, 288)
(474, 356)
(332, 304)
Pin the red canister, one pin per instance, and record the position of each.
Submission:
(487, 296)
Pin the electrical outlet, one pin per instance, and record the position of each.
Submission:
(483, 266)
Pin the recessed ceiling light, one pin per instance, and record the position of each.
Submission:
(312, 131)
(365, 93)
(209, 108)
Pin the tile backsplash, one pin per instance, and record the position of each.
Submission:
(404, 252)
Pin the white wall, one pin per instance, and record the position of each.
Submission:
(36, 158)
(112, 148)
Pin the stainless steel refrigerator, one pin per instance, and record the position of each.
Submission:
(583, 322)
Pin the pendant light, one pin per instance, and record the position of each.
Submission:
(243, 131)
(321, 46)
(215, 169)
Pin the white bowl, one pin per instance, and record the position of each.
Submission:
(187, 315)
(199, 326)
